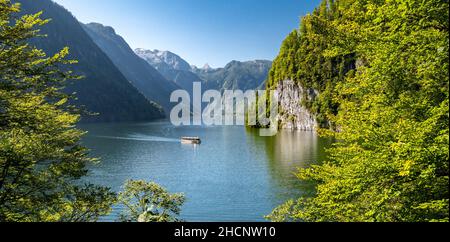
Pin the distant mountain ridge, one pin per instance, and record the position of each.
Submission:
(104, 89)
(248, 75)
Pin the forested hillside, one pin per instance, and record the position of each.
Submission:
(303, 59)
(380, 69)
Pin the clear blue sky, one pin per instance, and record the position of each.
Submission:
(200, 31)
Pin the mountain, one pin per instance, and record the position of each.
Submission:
(249, 75)
(184, 79)
(104, 89)
(171, 66)
(142, 75)
(163, 60)
(205, 68)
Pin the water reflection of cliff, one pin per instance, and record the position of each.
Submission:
(288, 151)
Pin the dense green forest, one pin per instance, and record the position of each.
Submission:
(381, 68)
(303, 59)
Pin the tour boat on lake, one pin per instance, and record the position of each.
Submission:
(191, 140)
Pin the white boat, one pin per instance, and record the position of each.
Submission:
(191, 140)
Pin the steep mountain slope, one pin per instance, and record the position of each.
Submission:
(143, 76)
(104, 89)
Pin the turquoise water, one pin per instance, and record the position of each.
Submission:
(234, 175)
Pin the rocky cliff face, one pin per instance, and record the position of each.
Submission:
(292, 114)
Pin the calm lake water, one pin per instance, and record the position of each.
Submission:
(234, 175)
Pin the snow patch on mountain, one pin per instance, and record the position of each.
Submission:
(163, 59)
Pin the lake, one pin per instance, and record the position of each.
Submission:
(234, 175)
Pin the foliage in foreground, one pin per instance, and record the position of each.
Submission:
(392, 159)
(149, 202)
(40, 152)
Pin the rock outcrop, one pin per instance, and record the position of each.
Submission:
(293, 114)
